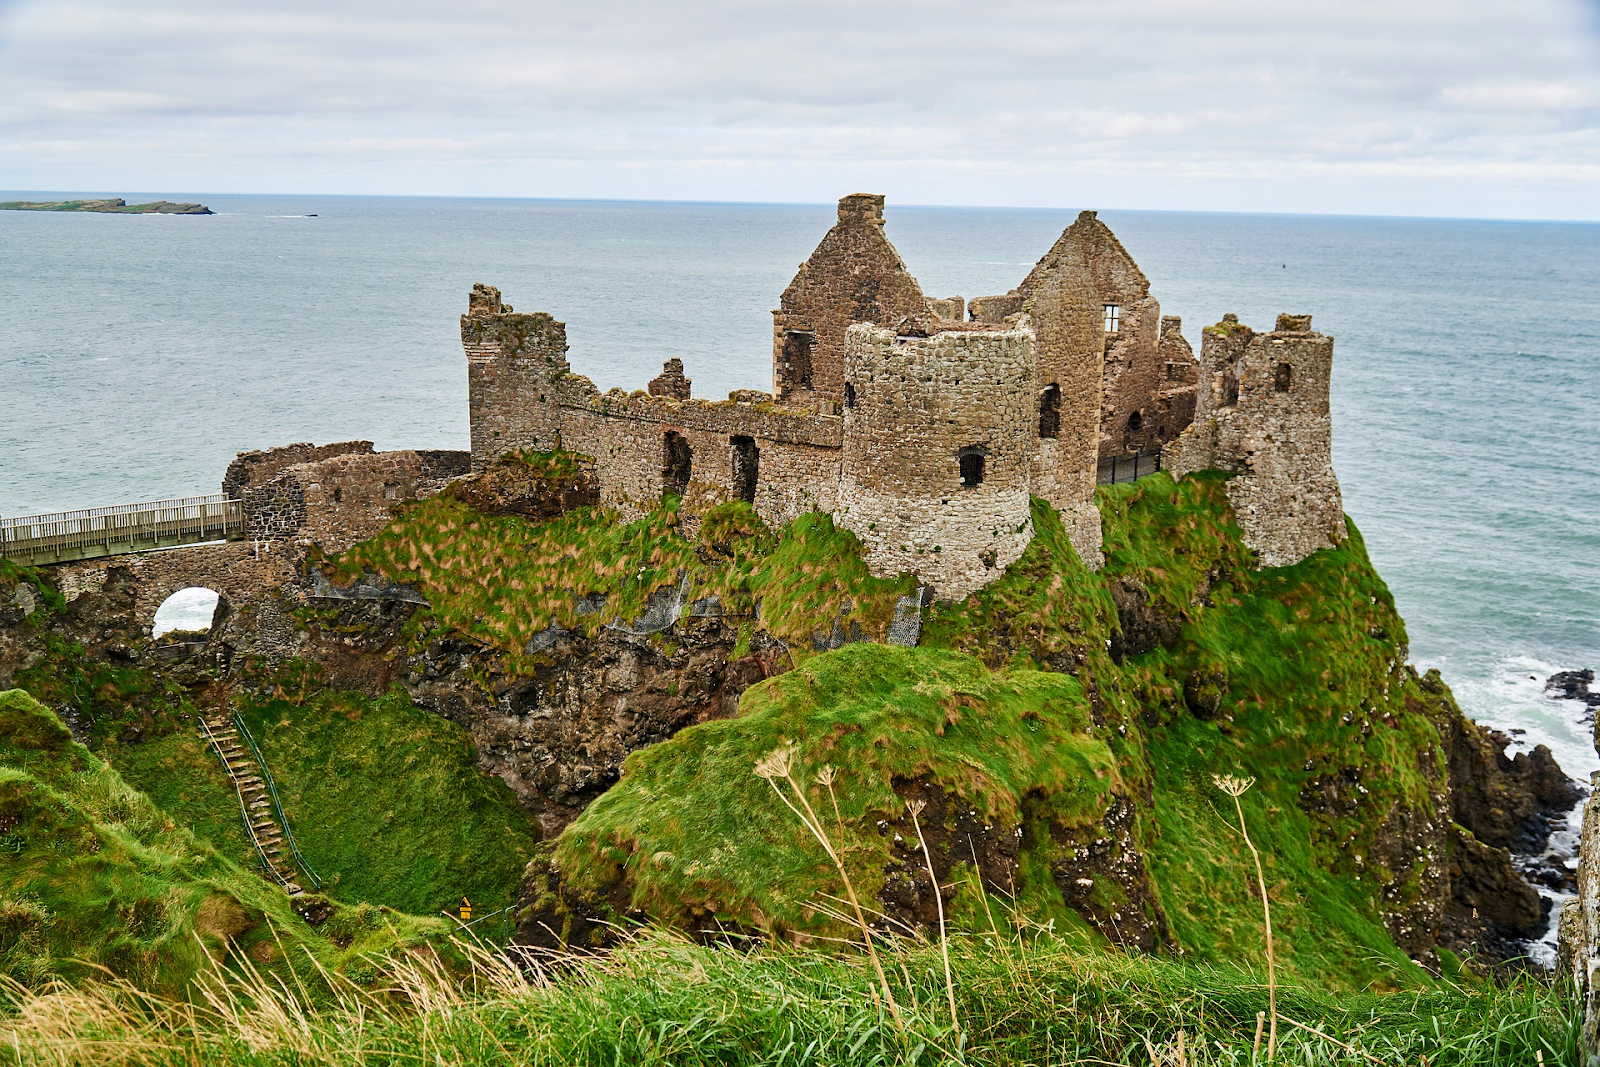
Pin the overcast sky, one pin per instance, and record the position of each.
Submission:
(1473, 107)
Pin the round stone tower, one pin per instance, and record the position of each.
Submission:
(939, 423)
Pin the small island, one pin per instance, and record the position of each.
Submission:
(116, 206)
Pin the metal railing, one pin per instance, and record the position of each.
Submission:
(244, 807)
(66, 535)
(1119, 469)
(277, 805)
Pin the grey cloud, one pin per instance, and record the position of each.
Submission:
(1010, 101)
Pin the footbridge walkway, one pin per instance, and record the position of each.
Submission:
(70, 535)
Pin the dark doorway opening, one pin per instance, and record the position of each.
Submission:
(1050, 411)
(1280, 379)
(746, 468)
(1135, 422)
(1230, 386)
(797, 345)
(677, 463)
(971, 468)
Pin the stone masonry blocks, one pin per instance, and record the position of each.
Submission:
(1262, 414)
(936, 465)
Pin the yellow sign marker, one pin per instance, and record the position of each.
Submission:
(466, 910)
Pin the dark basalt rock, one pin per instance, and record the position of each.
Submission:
(1142, 627)
(1573, 685)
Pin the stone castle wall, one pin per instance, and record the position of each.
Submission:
(877, 395)
(855, 275)
(1063, 304)
(254, 468)
(938, 439)
(1262, 414)
(346, 498)
(511, 361)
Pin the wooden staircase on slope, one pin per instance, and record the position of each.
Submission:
(255, 804)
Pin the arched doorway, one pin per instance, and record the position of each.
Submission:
(190, 610)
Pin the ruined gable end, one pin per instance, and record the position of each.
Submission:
(854, 275)
(1261, 413)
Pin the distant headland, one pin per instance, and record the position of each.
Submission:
(116, 206)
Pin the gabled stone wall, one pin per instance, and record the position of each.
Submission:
(855, 275)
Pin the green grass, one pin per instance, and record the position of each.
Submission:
(183, 777)
(96, 878)
(695, 837)
(661, 1001)
(1313, 661)
(388, 806)
(1307, 664)
(502, 579)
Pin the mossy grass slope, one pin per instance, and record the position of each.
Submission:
(1291, 674)
(502, 580)
(388, 806)
(1307, 664)
(698, 837)
(95, 878)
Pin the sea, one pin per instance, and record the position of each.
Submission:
(138, 354)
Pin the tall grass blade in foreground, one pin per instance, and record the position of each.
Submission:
(779, 763)
(1236, 788)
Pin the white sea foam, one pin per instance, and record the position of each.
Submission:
(1510, 696)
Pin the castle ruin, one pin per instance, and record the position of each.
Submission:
(925, 425)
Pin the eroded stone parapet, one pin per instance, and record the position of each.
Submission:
(335, 502)
(255, 468)
(671, 382)
(938, 432)
(1262, 414)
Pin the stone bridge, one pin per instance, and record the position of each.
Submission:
(238, 573)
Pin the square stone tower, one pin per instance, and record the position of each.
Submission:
(1261, 413)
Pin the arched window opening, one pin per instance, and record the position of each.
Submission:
(1280, 380)
(971, 460)
(188, 611)
(746, 468)
(1050, 411)
(1136, 422)
(677, 463)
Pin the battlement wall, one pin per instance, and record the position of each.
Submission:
(338, 501)
(254, 468)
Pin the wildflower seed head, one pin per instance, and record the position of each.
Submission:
(916, 807)
(776, 764)
(1234, 787)
(825, 776)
